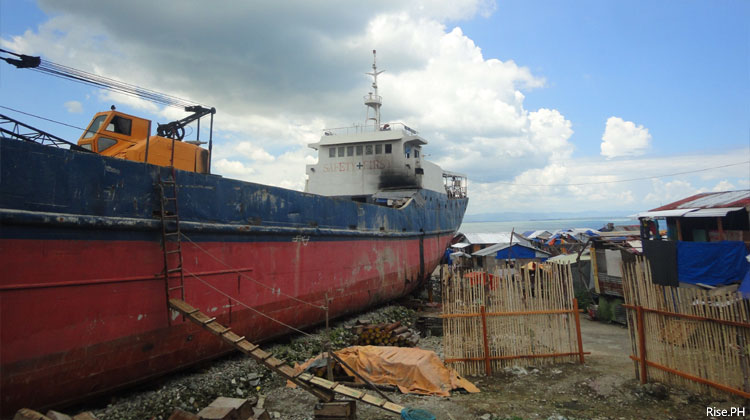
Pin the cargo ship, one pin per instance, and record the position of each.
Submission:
(96, 237)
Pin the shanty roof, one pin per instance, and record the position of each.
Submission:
(490, 250)
(542, 234)
(716, 204)
(711, 200)
(570, 258)
(490, 238)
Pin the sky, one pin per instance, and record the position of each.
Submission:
(544, 105)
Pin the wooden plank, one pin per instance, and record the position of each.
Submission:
(323, 383)
(286, 370)
(349, 392)
(373, 400)
(274, 362)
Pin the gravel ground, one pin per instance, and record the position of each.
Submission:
(603, 388)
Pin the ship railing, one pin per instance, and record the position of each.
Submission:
(369, 128)
(456, 185)
(373, 99)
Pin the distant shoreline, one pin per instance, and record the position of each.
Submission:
(543, 224)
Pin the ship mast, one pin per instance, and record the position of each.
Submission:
(373, 101)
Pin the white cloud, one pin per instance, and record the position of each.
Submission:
(248, 150)
(278, 78)
(282, 92)
(624, 138)
(597, 183)
(723, 185)
(73, 107)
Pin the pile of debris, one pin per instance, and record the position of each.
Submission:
(224, 408)
(28, 414)
(367, 333)
(221, 408)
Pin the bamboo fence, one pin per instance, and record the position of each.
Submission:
(510, 317)
(689, 338)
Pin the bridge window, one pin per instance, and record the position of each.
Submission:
(368, 149)
(104, 143)
(332, 152)
(378, 149)
(359, 150)
(120, 125)
(350, 150)
(388, 148)
(342, 150)
(95, 126)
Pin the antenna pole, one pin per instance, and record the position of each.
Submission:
(373, 100)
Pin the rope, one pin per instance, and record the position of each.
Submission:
(246, 305)
(41, 118)
(91, 79)
(272, 289)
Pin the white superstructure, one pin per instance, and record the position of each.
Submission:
(363, 160)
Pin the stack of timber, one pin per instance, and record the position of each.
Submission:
(393, 334)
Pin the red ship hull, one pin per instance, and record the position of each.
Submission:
(70, 329)
(83, 308)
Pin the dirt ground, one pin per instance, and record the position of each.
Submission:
(603, 388)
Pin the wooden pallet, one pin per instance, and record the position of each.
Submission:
(323, 389)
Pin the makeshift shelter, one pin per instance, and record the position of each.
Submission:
(705, 217)
(520, 253)
(708, 238)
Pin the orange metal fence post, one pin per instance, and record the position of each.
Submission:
(641, 343)
(578, 329)
(487, 366)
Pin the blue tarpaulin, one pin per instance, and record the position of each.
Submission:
(711, 263)
(517, 251)
(745, 286)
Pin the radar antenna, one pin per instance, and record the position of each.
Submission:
(373, 101)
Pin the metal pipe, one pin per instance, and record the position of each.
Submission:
(693, 317)
(210, 141)
(700, 380)
(148, 141)
(473, 315)
(521, 356)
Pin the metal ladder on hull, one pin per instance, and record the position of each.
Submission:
(174, 277)
(323, 389)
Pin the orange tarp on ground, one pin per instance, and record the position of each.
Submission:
(412, 370)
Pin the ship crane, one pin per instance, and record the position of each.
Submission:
(20, 131)
(129, 146)
(176, 129)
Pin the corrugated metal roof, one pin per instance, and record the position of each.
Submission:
(542, 234)
(664, 213)
(712, 212)
(489, 238)
(569, 258)
(740, 198)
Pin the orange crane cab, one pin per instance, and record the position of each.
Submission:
(124, 136)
